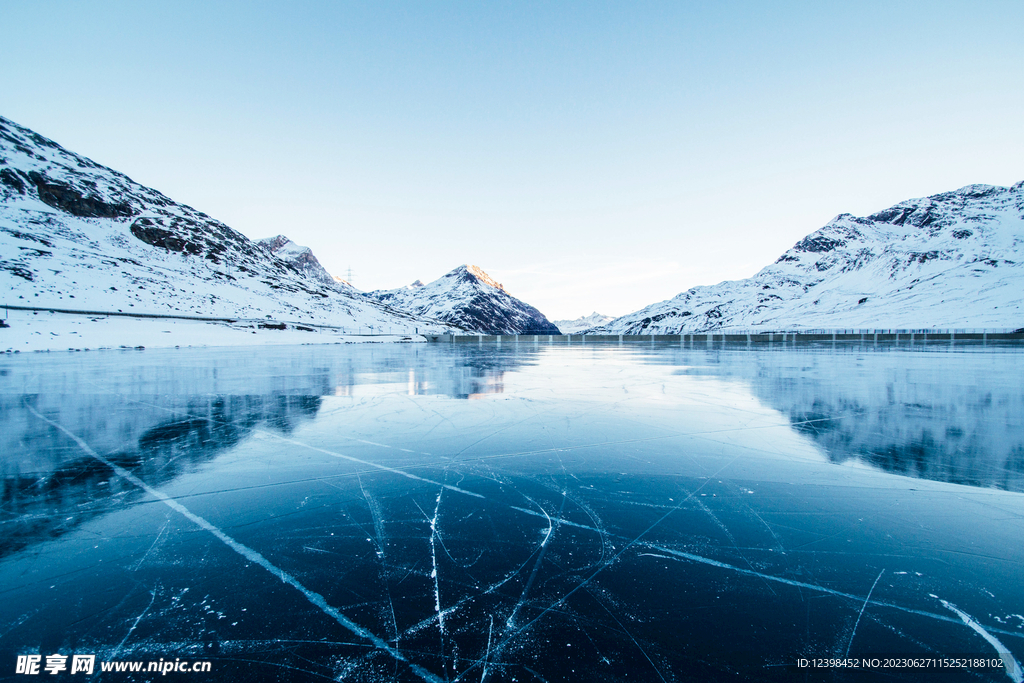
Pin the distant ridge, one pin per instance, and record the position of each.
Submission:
(953, 260)
(586, 322)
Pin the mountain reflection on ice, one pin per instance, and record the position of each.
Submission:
(933, 413)
(608, 513)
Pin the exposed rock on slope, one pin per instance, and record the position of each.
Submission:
(952, 260)
(77, 235)
(471, 299)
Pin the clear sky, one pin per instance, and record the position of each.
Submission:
(590, 156)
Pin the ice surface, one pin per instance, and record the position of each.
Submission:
(514, 512)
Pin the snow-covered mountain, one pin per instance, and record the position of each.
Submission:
(952, 260)
(595, 319)
(471, 299)
(78, 235)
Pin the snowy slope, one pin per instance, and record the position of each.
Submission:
(471, 299)
(595, 319)
(77, 235)
(952, 260)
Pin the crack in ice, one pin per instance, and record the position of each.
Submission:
(487, 654)
(510, 622)
(680, 555)
(245, 551)
(1010, 663)
(378, 528)
(861, 614)
(604, 565)
(124, 640)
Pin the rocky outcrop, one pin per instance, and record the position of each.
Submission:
(301, 258)
(66, 198)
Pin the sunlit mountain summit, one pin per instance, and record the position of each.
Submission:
(471, 299)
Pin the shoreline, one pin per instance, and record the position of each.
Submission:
(43, 331)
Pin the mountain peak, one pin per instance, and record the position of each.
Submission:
(470, 298)
(298, 257)
(276, 243)
(470, 272)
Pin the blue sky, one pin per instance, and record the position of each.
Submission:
(590, 156)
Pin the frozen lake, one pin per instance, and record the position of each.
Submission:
(516, 513)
